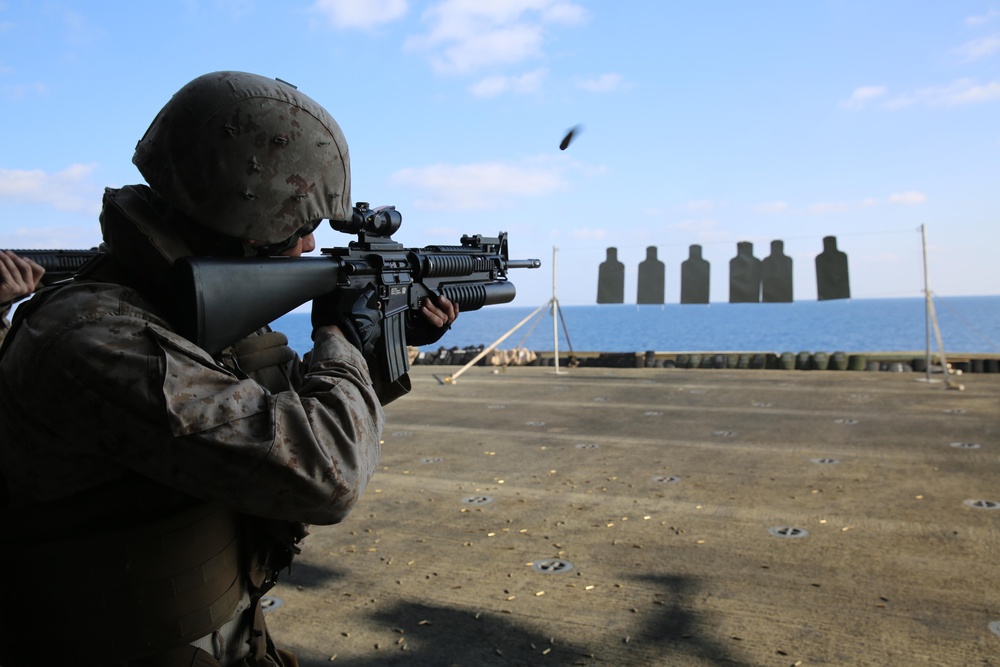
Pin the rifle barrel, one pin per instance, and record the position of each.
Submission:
(523, 263)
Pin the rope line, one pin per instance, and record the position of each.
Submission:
(730, 242)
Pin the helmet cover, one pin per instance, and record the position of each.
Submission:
(248, 157)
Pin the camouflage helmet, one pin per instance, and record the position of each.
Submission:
(248, 157)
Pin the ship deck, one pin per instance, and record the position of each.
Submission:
(664, 517)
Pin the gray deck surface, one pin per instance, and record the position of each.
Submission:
(659, 492)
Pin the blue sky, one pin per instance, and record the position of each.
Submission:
(708, 123)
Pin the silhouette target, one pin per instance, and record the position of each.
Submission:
(832, 279)
(695, 274)
(744, 275)
(776, 275)
(611, 279)
(651, 279)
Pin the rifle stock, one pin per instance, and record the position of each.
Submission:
(218, 301)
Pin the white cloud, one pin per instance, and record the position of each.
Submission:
(979, 48)
(823, 208)
(80, 30)
(908, 198)
(364, 15)
(17, 91)
(645, 235)
(704, 230)
(467, 35)
(771, 207)
(983, 18)
(236, 8)
(699, 205)
(67, 190)
(694, 225)
(588, 234)
(957, 93)
(974, 93)
(862, 96)
(828, 207)
(499, 46)
(486, 185)
(492, 86)
(654, 211)
(567, 13)
(605, 83)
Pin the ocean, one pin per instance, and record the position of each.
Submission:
(968, 325)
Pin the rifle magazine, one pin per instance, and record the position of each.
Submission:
(389, 372)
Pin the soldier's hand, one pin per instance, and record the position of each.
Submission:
(19, 277)
(260, 351)
(438, 314)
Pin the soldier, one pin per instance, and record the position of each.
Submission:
(149, 492)
(19, 277)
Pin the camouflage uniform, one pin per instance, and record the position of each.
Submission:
(95, 387)
(99, 398)
(95, 384)
(4, 322)
(148, 491)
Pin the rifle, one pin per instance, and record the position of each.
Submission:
(226, 299)
(220, 300)
(58, 264)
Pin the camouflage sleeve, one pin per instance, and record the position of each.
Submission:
(135, 394)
